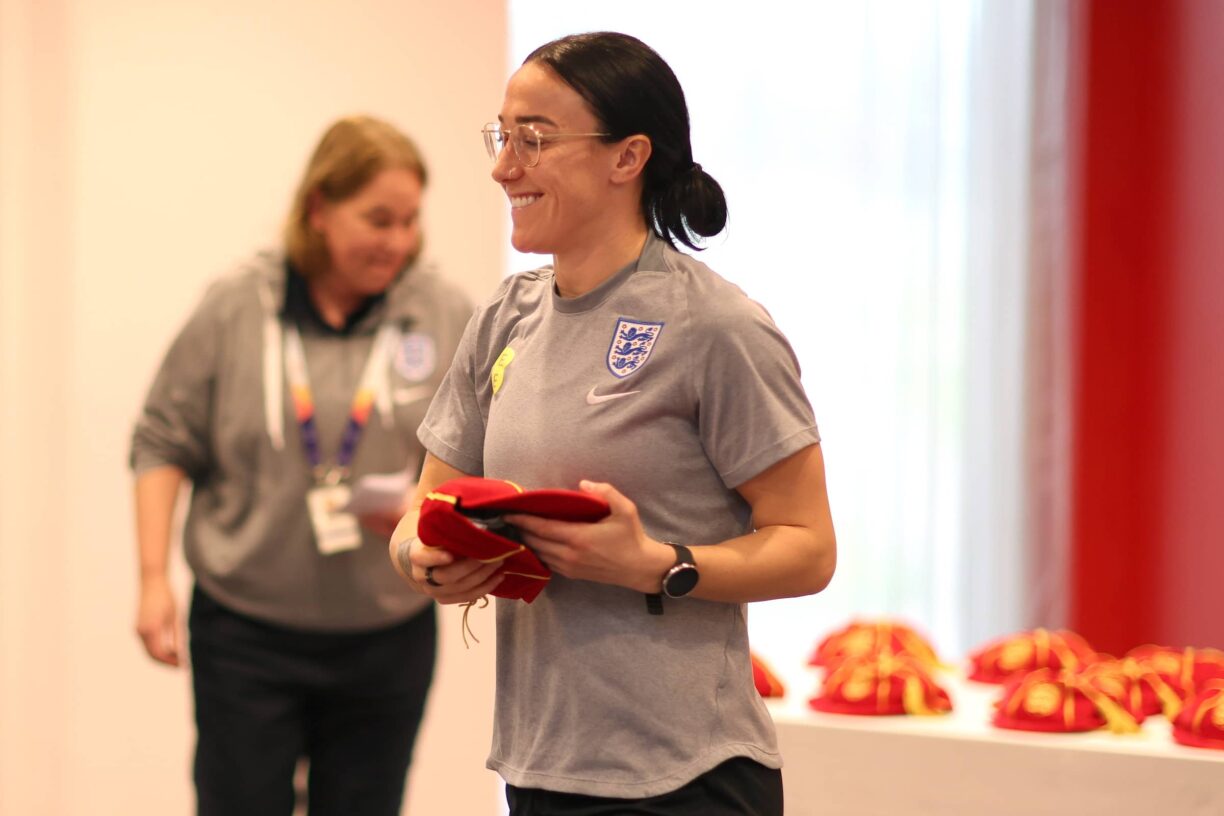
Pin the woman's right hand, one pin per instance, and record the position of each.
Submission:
(436, 573)
(433, 571)
(157, 621)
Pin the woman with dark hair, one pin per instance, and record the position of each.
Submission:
(297, 376)
(631, 371)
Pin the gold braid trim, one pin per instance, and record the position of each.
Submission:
(913, 697)
(466, 628)
(1117, 718)
(1187, 671)
(1196, 723)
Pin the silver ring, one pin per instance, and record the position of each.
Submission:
(429, 579)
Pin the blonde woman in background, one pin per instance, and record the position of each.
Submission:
(306, 370)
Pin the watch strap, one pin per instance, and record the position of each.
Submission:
(683, 554)
(654, 600)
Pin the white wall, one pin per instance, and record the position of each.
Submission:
(144, 147)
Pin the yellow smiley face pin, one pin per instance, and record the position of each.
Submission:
(499, 368)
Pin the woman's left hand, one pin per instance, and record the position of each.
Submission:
(614, 550)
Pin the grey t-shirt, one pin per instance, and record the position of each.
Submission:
(247, 535)
(670, 384)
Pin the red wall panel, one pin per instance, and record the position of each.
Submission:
(1148, 473)
(1192, 521)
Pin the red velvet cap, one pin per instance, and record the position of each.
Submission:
(462, 516)
(1185, 670)
(879, 685)
(869, 638)
(1048, 700)
(1208, 665)
(1127, 684)
(1001, 659)
(1201, 721)
(767, 683)
(1158, 696)
(1170, 664)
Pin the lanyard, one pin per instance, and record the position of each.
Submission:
(372, 381)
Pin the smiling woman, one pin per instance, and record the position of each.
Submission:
(619, 370)
(555, 189)
(879, 161)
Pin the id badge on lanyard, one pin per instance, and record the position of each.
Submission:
(335, 530)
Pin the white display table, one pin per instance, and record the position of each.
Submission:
(961, 764)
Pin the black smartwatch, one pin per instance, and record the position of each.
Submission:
(679, 580)
(682, 578)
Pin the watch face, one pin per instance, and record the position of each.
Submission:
(681, 580)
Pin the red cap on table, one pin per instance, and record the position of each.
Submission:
(870, 638)
(1201, 721)
(766, 682)
(880, 685)
(1184, 670)
(1002, 659)
(1049, 700)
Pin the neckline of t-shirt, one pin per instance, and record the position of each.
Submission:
(592, 299)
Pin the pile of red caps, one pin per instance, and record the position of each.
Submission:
(1054, 681)
(878, 668)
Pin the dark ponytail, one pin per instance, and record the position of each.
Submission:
(689, 205)
(631, 90)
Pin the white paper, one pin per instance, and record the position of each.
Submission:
(379, 493)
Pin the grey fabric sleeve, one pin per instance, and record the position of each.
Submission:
(454, 427)
(753, 411)
(174, 427)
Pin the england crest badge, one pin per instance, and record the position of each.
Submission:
(416, 357)
(632, 342)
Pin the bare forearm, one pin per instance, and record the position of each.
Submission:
(793, 550)
(156, 494)
(774, 562)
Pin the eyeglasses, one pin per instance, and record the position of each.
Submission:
(525, 140)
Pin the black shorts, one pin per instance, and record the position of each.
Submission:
(737, 787)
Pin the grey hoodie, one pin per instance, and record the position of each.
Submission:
(248, 537)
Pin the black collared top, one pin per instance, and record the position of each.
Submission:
(302, 310)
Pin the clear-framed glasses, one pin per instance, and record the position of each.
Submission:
(525, 140)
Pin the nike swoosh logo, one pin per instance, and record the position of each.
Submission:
(595, 399)
(403, 396)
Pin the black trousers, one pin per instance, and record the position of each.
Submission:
(266, 696)
(737, 787)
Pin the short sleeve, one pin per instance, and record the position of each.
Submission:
(752, 409)
(454, 426)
